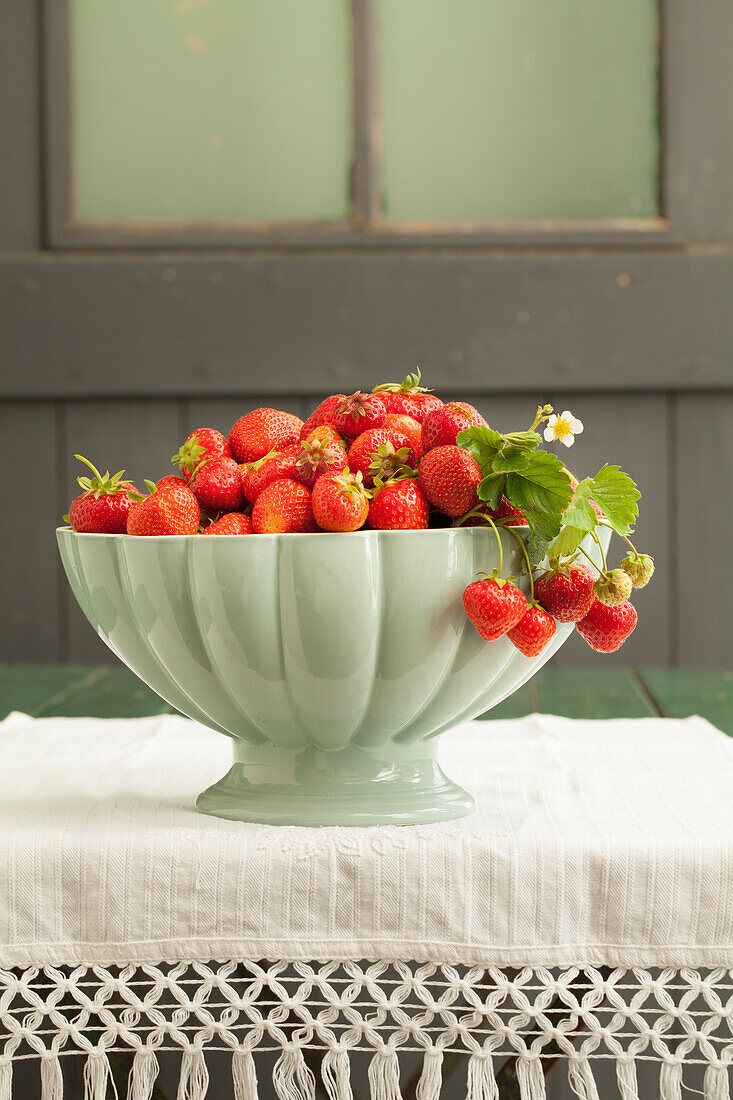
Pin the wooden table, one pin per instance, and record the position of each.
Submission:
(112, 691)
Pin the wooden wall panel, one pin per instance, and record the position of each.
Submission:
(701, 520)
(631, 432)
(30, 579)
(139, 436)
(20, 125)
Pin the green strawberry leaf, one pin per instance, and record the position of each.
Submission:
(482, 443)
(537, 551)
(491, 490)
(568, 541)
(580, 512)
(523, 441)
(616, 495)
(540, 486)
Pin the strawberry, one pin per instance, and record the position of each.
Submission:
(613, 588)
(449, 477)
(505, 514)
(399, 505)
(566, 591)
(340, 502)
(233, 523)
(173, 510)
(323, 414)
(380, 452)
(605, 629)
(170, 480)
(640, 567)
(103, 506)
(408, 398)
(259, 432)
(409, 427)
(533, 631)
(256, 476)
(321, 452)
(358, 413)
(284, 506)
(217, 485)
(441, 426)
(494, 606)
(202, 445)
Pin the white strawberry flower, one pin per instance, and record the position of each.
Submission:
(564, 427)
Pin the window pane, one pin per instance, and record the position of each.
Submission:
(211, 110)
(510, 110)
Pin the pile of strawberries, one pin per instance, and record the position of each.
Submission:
(386, 460)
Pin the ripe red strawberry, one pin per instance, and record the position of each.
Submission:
(506, 514)
(284, 506)
(566, 592)
(380, 452)
(358, 413)
(256, 476)
(103, 506)
(605, 629)
(261, 431)
(233, 523)
(170, 511)
(323, 414)
(533, 631)
(321, 452)
(399, 505)
(340, 502)
(202, 445)
(441, 426)
(449, 477)
(408, 398)
(217, 485)
(409, 427)
(494, 607)
(170, 480)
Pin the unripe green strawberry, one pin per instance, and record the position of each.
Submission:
(640, 567)
(613, 588)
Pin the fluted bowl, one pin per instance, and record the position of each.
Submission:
(333, 661)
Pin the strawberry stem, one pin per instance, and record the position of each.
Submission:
(520, 540)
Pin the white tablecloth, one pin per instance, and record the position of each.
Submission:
(595, 845)
(602, 843)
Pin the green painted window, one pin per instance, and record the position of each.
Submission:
(514, 110)
(211, 110)
(241, 111)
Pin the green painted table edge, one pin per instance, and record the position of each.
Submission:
(112, 691)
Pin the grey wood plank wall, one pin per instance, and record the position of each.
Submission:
(661, 438)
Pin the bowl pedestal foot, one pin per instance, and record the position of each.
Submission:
(386, 785)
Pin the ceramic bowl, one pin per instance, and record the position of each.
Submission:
(333, 661)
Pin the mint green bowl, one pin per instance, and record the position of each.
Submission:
(333, 661)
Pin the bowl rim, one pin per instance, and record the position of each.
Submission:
(68, 530)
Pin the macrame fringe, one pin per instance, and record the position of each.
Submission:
(6, 1080)
(336, 1074)
(292, 1078)
(142, 1075)
(244, 1075)
(52, 1081)
(480, 1081)
(626, 1077)
(531, 1078)
(194, 1079)
(96, 1076)
(716, 1085)
(581, 1079)
(384, 1076)
(670, 1081)
(431, 1078)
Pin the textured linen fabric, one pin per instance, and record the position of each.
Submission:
(594, 843)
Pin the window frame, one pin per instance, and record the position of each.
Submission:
(364, 230)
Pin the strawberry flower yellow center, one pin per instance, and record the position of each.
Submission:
(564, 427)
